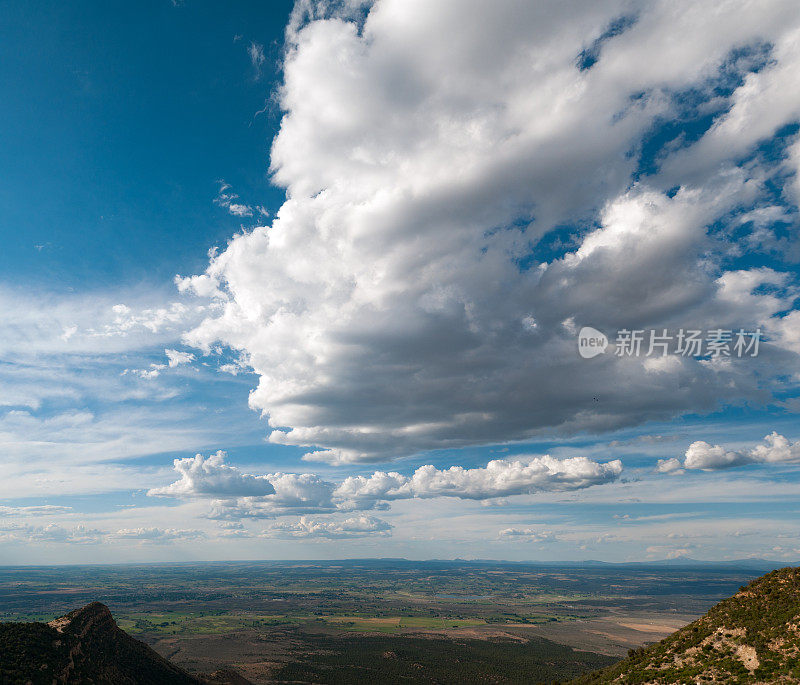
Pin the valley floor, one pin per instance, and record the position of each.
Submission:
(373, 621)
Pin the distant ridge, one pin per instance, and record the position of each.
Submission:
(761, 565)
(86, 646)
(752, 637)
(752, 566)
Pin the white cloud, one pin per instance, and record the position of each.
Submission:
(762, 104)
(256, 53)
(48, 453)
(671, 465)
(157, 535)
(231, 525)
(775, 449)
(233, 529)
(667, 552)
(65, 352)
(77, 535)
(148, 374)
(210, 476)
(176, 357)
(172, 316)
(386, 309)
(227, 199)
(701, 455)
(202, 285)
(308, 527)
(461, 198)
(34, 510)
(528, 535)
(300, 491)
(499, 478)
(52, 532)
(236, 494)
(238, 209)
(91, 323)
(295, 493)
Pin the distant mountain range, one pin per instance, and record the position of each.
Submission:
(749, 565)
(679, 562)
(753, 637)
(86, 646)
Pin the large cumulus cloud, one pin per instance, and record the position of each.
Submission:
(463, 193)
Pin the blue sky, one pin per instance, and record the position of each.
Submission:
(342, 254)
(118, 122)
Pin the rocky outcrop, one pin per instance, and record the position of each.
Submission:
(752, 637)
(87, 646)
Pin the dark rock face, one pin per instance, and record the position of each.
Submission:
(81, 622)
(102, 652)
(85, 646)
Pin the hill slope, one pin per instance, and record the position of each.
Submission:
(85, 646)
(753, 637)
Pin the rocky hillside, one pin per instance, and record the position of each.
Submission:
(85, 646)
(753, 637)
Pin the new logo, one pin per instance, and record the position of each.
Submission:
(591, 342)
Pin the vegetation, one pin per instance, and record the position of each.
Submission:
(31, 652)
(490, 593)
(377, 659)
(753, 637)
(85, 646)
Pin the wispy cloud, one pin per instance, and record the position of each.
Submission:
(256, 53)
(34, 510)
(229, 200)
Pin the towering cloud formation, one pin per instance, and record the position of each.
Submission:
(468, 183)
